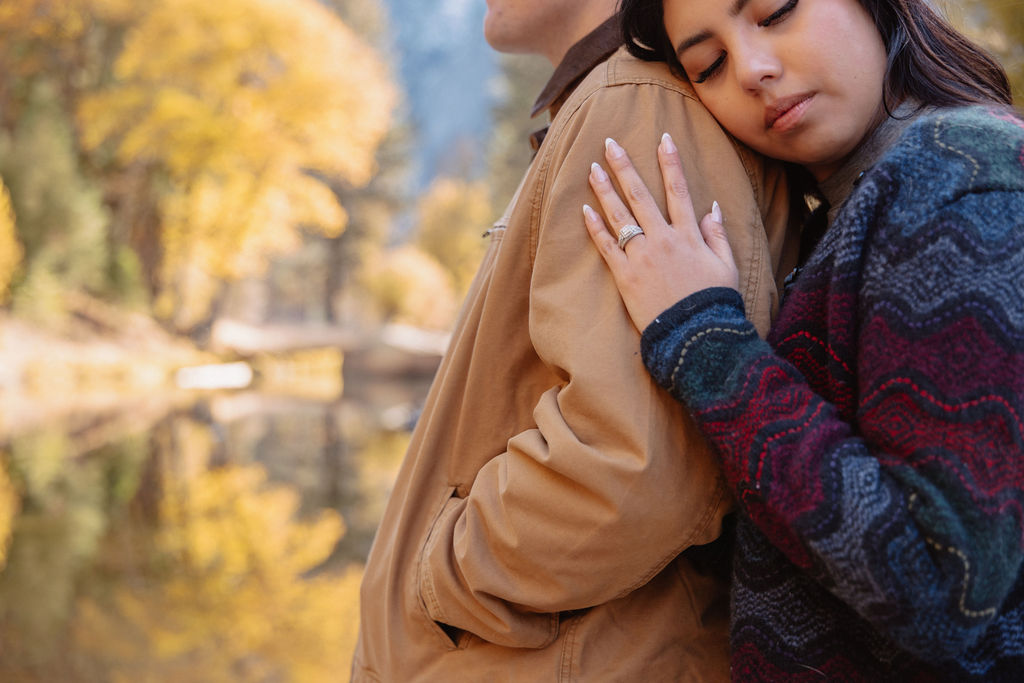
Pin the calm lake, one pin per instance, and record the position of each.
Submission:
(199, 536)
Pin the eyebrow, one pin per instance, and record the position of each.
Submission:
(685, 45)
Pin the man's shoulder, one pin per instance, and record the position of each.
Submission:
(624, 93)
(623, 69)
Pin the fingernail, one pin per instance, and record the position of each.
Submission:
(588, 212)
(612, 147)
(667, 144)
(716, 212)
(598, 172)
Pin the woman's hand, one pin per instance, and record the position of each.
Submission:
(669, 261)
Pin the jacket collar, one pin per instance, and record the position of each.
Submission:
(590, 51)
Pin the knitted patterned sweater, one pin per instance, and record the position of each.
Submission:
(875, 440)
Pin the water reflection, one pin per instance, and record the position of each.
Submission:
(222, 543)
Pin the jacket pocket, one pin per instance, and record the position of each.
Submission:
(458, 618)
(450, 637)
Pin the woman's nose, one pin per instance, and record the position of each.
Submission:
(757, 65)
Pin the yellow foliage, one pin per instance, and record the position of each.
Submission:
(9, 505)
(230, 224)
(453, 215)
(239, 604)
(238, 101)
(187, 298)
(41, 37)
(410, 286)
(114, 11)
(227, 522)
(42, 18)
(10, 249)
(31, 27)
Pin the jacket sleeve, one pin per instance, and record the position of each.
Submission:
(614, 480)
(908, 505)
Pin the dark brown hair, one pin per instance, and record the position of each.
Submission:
(928, 60)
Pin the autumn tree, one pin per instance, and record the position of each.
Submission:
(418, 282)
(520, 80)
(373, 209)
(1008, 19)
(50, 52)
(10, 248)
(9, 504)
(373, 212)
(40, 39)
(409, 286)
(61, 221)
(998, 26)
(242, 109)
(451, 219)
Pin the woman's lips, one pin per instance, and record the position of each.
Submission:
(784, 114)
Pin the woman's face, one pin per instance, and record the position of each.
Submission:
(798, 80)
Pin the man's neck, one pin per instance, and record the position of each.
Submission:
(583, 56)
(579, 59)
(590, 16)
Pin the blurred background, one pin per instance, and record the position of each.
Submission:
(233, 238)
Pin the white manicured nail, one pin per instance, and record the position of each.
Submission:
(613, 148)
(667, 144)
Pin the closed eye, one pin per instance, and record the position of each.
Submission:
(711, 70)
(779, 14)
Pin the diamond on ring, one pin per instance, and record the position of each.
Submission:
(627, 233)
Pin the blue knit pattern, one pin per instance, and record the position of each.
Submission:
(875, 441)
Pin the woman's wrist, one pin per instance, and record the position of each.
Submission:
(688, 330)
(687, 307)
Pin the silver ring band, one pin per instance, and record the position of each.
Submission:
(627, 233)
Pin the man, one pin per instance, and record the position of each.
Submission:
(535, 529)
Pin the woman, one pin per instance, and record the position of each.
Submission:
(874, 442)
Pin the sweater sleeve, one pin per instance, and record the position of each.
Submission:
(903, 496)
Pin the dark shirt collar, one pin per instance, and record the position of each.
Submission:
(590, 51)
(839, 185)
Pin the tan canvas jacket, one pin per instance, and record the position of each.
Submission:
(550, 485)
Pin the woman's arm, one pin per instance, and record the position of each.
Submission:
(908, 507)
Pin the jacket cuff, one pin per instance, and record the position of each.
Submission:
(691, 345)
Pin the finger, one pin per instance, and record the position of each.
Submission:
(677, 192)
(606, 245)
(713, 232)
(638, 197)
(616, 210)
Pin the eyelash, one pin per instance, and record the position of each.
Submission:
(779, 14)
(710, 71)
(774, 18)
